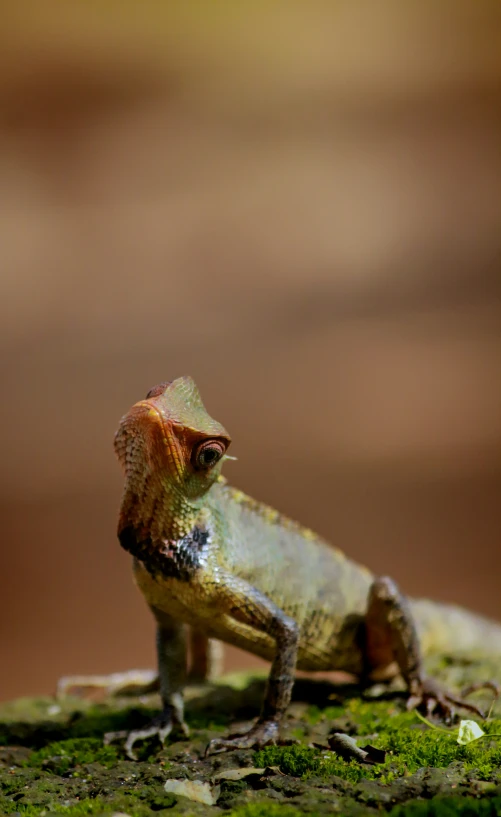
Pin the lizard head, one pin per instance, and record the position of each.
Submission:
(169, 436)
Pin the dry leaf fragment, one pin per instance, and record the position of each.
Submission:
(374, 755)
(247, 771)
(194, 790)
(238, 774)
(346, 747)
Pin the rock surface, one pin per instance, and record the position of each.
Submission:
(52, 760)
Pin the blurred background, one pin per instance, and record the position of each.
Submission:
(299, 204)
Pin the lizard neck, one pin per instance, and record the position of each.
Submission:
(159, 511)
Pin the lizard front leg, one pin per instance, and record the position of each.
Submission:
(391, 637)
(243, 603)
(171, 656)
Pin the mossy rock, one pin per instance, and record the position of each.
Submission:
(52, 759)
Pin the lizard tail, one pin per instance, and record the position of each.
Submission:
(448, 629)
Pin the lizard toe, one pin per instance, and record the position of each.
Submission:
(492, 685)
(262, 734)
(161, 726)
(428, 695)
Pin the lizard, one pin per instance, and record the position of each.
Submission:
(235, 570)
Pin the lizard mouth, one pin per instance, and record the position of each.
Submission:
(164, 446)
(146, 427)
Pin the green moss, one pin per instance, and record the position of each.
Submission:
(295, 760)
(367, 716)
(98, 805)
(375, 716)
(162, 802)
(314, 714)
(450, 807)
(415, 748)
(91, 722)
(410, 745)
(266, 809)
(305, 761)
(299, 733)
(61, 756)
(99, 720)
(57, 778)
(492, 727)
(132, 790)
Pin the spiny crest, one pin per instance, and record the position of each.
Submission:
(181, 404)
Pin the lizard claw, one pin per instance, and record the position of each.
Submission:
(492, 685)
(160, 726)
(262, 734)
(428, 694)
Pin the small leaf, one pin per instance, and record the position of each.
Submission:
(468, 732)
(194, 790)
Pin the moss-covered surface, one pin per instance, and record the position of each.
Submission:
(52, 760)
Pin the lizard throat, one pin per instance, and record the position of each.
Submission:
(159, 511)
(168, 559)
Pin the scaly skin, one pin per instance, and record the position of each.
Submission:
(234, 569)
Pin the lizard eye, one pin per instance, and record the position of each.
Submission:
(207, 454)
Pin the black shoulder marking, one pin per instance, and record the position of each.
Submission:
(177, 559)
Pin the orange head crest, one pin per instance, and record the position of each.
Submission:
(169, 435)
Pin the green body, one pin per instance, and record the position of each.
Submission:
(208, 556)
(310, 581)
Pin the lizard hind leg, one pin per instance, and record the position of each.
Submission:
(130, 682)
(391, 636)
(206, 658)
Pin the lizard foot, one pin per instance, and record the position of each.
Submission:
(160, 726)
(263, 733)
(131, 682)
(492, 685)
(428, 695)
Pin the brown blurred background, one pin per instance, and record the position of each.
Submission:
(300, 206)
